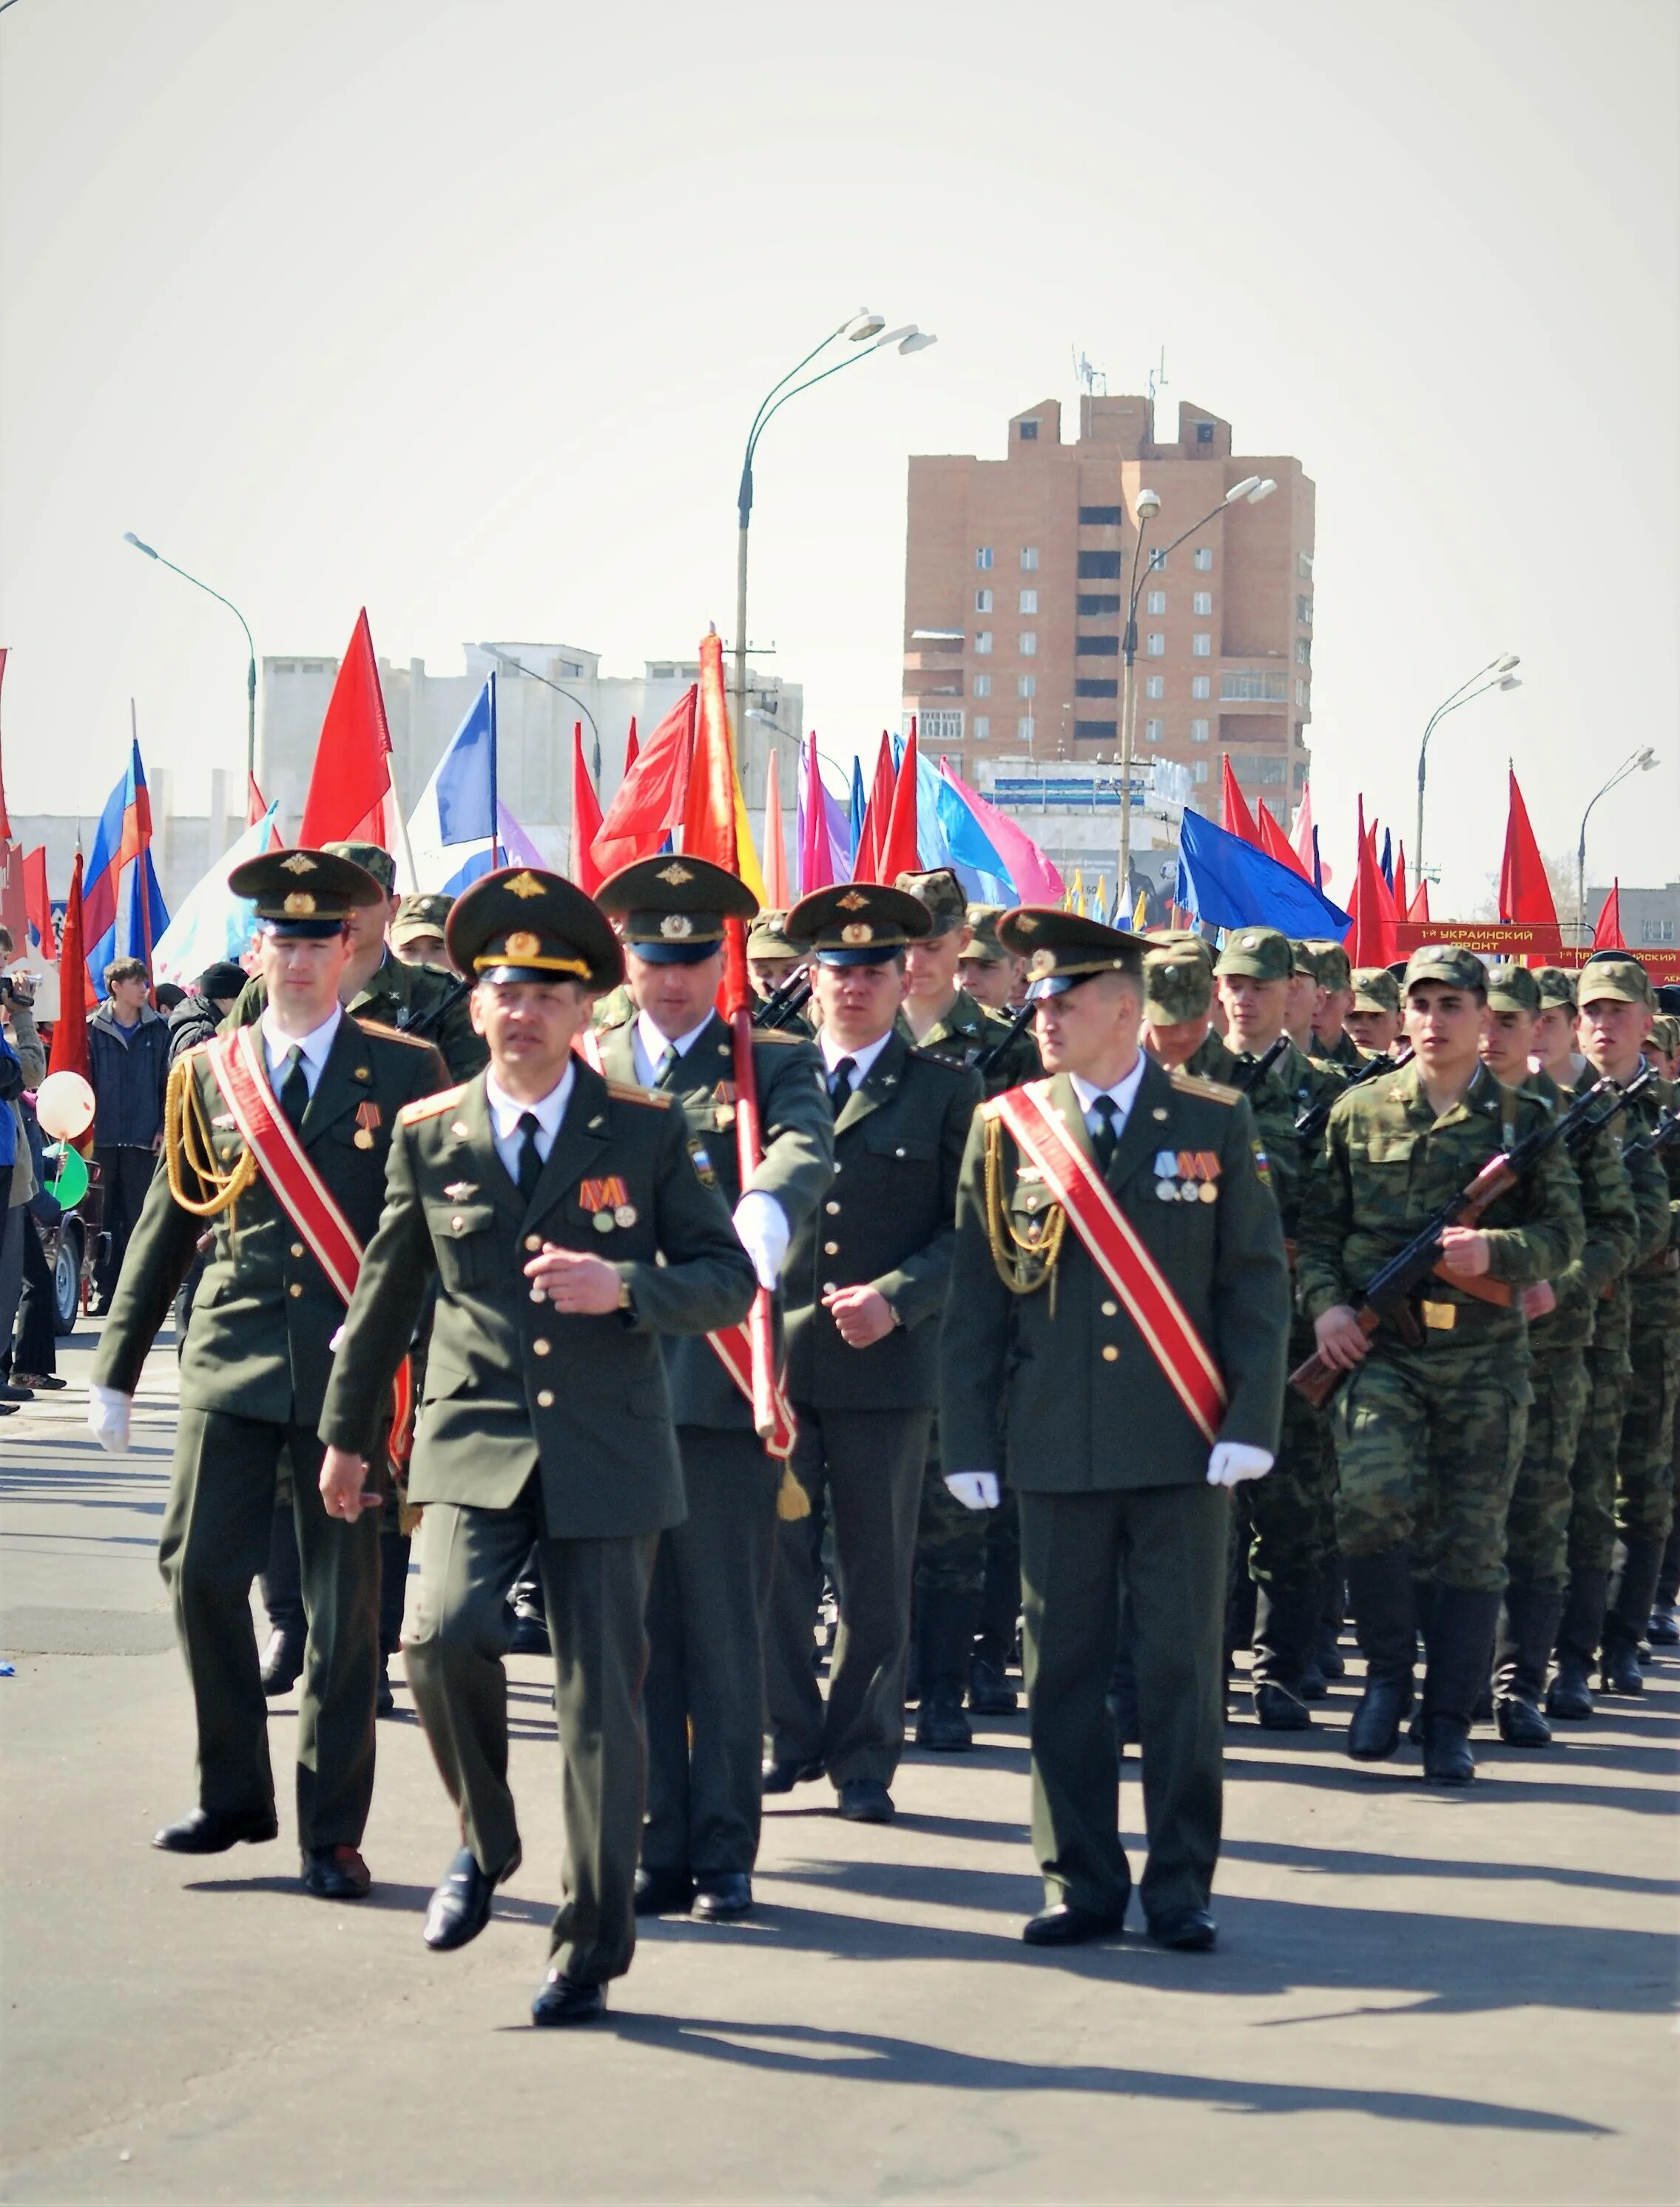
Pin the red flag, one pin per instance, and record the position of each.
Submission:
(69, 1030)
(776, 893)
(351, 780)
(1400, 881)
(877, 817)
(816, 853)
(1418, 908)
(1370, 939)
(1303, 834)
(898, 853)
(585, 818)
(38, 899)
(647, 803)
(1268, 834)
(632, 749)
(1234, 817)
(1525, 893)
(1607, 934)
(709, 816)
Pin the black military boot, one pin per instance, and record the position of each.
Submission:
(1664, 1629)
(1570, 1696)
(1461, 1643)
(1528, 1617)
(1286, 1620)
(989, 1693)
(1633, 1589)
(1386, 1620)
(1331, 1660)
(945, 1632)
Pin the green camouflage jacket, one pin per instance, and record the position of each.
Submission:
(968, 1028)
(1586, 1286)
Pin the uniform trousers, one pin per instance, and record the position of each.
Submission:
(705, 1689)
(1161, 1551)
(595, 1592)
(1537, 1532)
(1592, 1532)
(866, 1466)
(215, 1539)
(1645, 1460)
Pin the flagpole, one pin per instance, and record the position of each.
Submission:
(402, 816)
(143, 863)
(495, 806)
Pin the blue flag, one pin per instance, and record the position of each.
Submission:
(1229, 883)
(465, 781)
(860, 805)
(1387, 857)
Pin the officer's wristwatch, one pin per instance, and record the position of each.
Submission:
(626, 1300)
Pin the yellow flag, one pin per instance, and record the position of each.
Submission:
(1139, 912)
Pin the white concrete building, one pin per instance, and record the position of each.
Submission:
(1071, 808)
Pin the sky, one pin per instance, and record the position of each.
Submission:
(462, 313)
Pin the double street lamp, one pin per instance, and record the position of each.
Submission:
(1250, 492)
(1639, 761)
(1496, 675)
(129, 537)
(863, 329)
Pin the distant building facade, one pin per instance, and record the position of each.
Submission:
(1650, 917)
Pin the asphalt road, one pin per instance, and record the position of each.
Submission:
(1417, 1996)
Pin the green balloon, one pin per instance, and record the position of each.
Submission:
(69, 1182)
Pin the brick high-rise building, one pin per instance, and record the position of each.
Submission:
(1014, 573)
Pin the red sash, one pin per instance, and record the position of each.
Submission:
(1112, 1246)
(238, 1067)
(734, 1346)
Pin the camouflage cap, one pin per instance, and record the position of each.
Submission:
(420, 915)
(984, 946)
(1306, 960)
(1335, 969)
(1178, 986)
(1449, 962)
(1557, 986)
(1512, 988)
(371, 858)
(1665, 1033)
(1173, 938)
(940, 895)
(1623, 978)
(768, 937)
(1375, 990)
(1261, 952)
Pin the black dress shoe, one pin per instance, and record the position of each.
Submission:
(1375, 1733)
(1279, 1710)
(1185, 1930)
(460, 1907)
(1570, 1696)
(1447, 1760)
(1618, 1670)
(941, 1725)
(1663, 1630)
(989, 1693)
(663, 1892)
(336, 1874)
(213, 1831)
(562, 1999)
(1067, 1924)
(282, 1662)
(721, 1894)
(783, 1777)
(384, 1701)
(865, 1801)
(11, 1392)
(1521, 1724)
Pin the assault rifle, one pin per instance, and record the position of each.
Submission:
(1310, 1124)
(1655, 1139)
(983, 1060)
(784, 1000)
(1389, 1291)
(425, 1024)
(1252, 1075)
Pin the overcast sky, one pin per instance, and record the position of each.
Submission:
(461, 311)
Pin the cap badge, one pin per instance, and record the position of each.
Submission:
(853, 900)
(858, 930)
(524, 944)
(676, 873)
(300, 904)
(676, 926)
(297, 864)
(524, 885)
(1042, 962)
(1026, 924)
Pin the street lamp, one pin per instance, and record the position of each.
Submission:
(1250, 491)
(1501, 678)
(1639, 761)
(865, 329)
(129, 537)
(518, 666)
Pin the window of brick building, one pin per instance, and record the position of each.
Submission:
(1198, 769)
(1029, 431)
(1201, 687)
(1027, 643)
(1155, 685)
(1025, 730)
(1090, 606)
(983, 727)
(1156, 602)
(982, 601)
(1198, 732)
(1029, 558)
(1304, 612)
(1029, 601)
(1157, 646)
(1099, 567)
(1201, 602)
(1201, 645)
(1203, 560)
(1096, 731)
(983, 555)
(1026, 685)
(1152, 731)
(983, 685)
(1099, 517)
(1096, 685)
(1097, 647)
(982, 641)
(1303, 651)
(1204, 433)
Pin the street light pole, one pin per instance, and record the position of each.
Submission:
(1500, 669)
(518, 666)
(129, 537)
(1639, 761)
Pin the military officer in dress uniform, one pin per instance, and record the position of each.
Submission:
(569, 1230)
(1113, 1346)
(256, 1358)
(865, 1283)
(705, 1689)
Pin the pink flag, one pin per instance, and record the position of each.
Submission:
(776, 894)
(816, 858)
(1036, 880)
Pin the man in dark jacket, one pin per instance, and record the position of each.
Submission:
(128, 1062)
(197, 1017)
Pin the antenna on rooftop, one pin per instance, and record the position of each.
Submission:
(1091, 379)
(1158, 381)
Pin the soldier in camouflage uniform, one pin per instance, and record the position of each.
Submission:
(1375, 1020)
(952, 1541)
(1336, 985)
(1429, 1428)
(771, 961)
(993, 976)
(1617, 1004)
(1560, 1314)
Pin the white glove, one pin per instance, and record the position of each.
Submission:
(107, 1418)
(761, 1224)
(975, 1490)
(1232, 1460)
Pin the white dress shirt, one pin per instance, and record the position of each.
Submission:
(862, 1058)
(648, 1045)
(1124, 1093)
(506, 1112)
(315, 1045)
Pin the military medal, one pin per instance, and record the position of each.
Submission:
(1166, 1175)
(366, 1119)
(624, 1214)
(604, 1221)
(608, 1202)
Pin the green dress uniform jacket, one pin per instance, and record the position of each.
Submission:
(1085, 1405)
(796, 1168)
(898, 1144)
(513, 1387)
(967, 1029)
(401, 997)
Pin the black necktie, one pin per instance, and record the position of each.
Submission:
(839, 1080)
(530, 1158)
(295, 1088)
(1107, 1137)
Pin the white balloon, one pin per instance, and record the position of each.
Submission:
(64, 1106)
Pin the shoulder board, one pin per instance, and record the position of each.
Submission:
(392, 1034)
(625, 1091)
(1195, 1083)
(930, 1054)
(428, 1107)
(777, 1034)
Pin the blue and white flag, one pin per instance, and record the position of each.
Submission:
(453, 830)
(212, 924)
